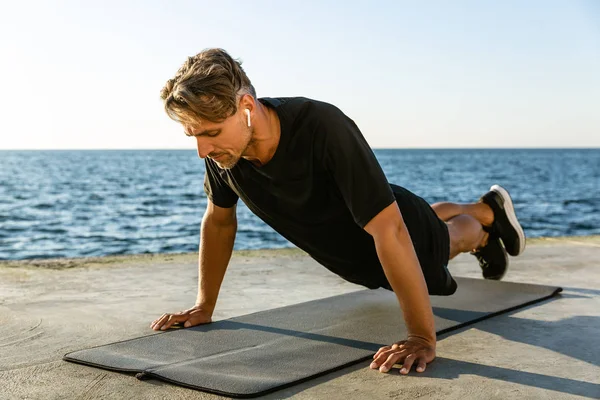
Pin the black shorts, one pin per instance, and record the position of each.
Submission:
(431, 241)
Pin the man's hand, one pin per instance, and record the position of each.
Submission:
(190, 317)
(405, 352)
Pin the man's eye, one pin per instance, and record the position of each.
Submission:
(210, 134)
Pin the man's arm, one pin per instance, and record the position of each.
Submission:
(402, 269)
(219, 227)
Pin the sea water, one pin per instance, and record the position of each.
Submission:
(76, 203)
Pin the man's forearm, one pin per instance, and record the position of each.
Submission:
(402, 269)
(216, 246)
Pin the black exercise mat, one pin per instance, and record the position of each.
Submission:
(255, 354)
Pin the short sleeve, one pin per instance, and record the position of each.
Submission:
(353, 166)
(216, 188)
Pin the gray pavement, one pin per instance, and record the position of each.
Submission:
(50, 307)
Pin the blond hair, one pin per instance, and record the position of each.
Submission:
(206, 87)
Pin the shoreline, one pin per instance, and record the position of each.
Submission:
(61, 263)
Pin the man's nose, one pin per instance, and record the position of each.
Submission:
(204, 149)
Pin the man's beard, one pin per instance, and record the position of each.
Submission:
(229, 161)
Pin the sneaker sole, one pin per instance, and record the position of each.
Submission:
(512, 217)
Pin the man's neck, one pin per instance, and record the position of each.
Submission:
(265, 136)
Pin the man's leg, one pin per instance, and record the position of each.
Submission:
(465, 225)
(466, 235)
(488, 229)
(480, 211)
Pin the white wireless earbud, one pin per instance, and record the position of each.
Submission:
(248, 114)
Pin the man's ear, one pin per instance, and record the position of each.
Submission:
(247, 102)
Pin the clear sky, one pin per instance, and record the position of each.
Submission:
(430, 74)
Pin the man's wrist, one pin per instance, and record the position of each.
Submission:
(209, 308)
(429, 340)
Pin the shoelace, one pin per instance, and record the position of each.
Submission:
(482, 261)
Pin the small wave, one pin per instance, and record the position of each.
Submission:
(43, 256)
(587, 202)
(43, 206)
(7, 218)
(582, 226)
(156, 202)
(58, 231)
(93, 237)
(174, 249)
(15, 229)
(150, 214)
(169, 186)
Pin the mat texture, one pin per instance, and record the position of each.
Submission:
(255, 354)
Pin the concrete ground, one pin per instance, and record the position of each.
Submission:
(48, 308)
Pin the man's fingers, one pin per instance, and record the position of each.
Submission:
(167, 320)
(381, 362)
(405, 353)
(159, 322)
(408, 362)
(173, 319)
(381, 349)
(391, 360)
(422, 365)
(396, 346)
(388, 359)
(156, 320)
(191, 317)
(380, 358)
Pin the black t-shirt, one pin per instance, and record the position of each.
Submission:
(319, 190)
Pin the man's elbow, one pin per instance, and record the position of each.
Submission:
(222, 217)
(387, 224)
